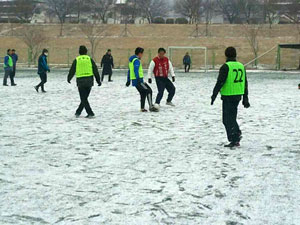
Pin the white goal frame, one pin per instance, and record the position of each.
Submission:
(170, 48)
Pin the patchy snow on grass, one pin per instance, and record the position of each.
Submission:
(127, 167)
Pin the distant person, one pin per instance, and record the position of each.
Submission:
(15, 59)
(233, 85)
(8, 69)
(107, 63)
(187, 62)
(136, 77)
(85, 69)
(43, 68)
(162, 67)
(299, 86)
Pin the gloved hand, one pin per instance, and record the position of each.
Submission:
(48, 70)
(173, 79)
(150, 81)
(99, 84)
(127, 83)
(213, 98)
(246, 103)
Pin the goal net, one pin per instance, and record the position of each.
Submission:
(198, 56)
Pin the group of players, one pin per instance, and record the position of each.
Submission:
(232, 83)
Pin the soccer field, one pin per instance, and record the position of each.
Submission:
(127, 167)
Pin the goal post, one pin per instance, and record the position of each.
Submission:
(190, 48)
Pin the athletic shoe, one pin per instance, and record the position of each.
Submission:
(170, 104)
(36, 88)
(44, 91)
(232, 145)
(14, 85)
(90, 116)
(5, 85)
(153, 109)
(110, 81)
(77, 115)
(144, 110)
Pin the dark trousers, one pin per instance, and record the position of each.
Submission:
(8, 73)
(145, 92)
(84, 93)
(43, 77)
(187, 67)
(162, 84)
(109, 75)
(230, 110)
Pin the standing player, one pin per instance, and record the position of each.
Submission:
(85, 69)
(187, 62)
(15, 59)
(232, 83)
(161, 67)
(136, 77)
(43, 68)
(8, 69)
(107, 63)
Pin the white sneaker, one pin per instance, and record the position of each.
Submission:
(170, 104)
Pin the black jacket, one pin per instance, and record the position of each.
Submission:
(84, 81)
(107, 63)
(223, 74)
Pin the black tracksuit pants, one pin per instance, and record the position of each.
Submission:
(43, 77)
(145, 92)
(230, 110)
(162, 84)
(84, 93)
(8, 73)
(187, 67)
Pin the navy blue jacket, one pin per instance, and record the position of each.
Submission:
(43, 64)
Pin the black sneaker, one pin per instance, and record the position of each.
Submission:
(14, 85)
(232, 145)
(5, 85)
(90, 116)
(77, 115)
(44, 91)
(110, 81)
(36, 88)
(153, 109)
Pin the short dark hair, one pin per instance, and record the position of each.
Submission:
(162, 50)
(139, 50)
(109, 50)
(44, 51)
(230, 52)
(8, 50)
(13, 50)
(83, 50)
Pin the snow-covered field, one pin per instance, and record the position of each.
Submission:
(126, 167)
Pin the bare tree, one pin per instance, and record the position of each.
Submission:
(34, 38)
(100, 8)
(94, 33)
(190, 8)
(251, 32)
(249, 8)
(230, 9)
(24, 9)
(208, 7)
(60, 8)
(270, 11)
(152, 8)
(292, 12)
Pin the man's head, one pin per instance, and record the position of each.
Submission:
(83, 50)
(13, 51)
(230, 52)
(109, 52)
(45, 52)
(9, 51)
(187, 53)
(161, 53)
(139, 52)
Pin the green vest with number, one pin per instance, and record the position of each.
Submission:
(10, 62)
(131, 69)
(84, 67)
(235, 83)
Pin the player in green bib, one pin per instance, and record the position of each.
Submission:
(233, 85)
(85, 69)
(8, 68)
